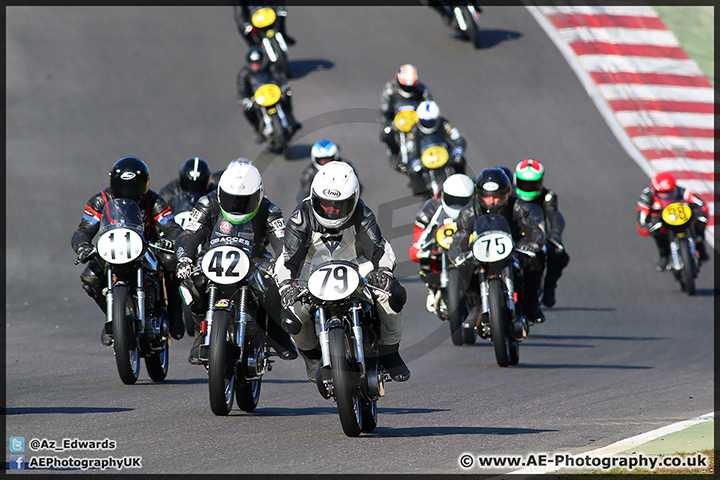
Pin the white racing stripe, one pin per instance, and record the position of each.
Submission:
(613, 91)
(688, 144)
(697, 186)
(609, 10)
(620, 446)
(619, 36)
(627, 63)
(643, 118)
(688, 164)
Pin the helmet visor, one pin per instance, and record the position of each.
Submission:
(239, 204)
(324, 160)
(529, 186)
(666, 195)
(333, 209)
(453, 201)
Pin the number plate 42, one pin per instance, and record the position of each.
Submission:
(225, 264)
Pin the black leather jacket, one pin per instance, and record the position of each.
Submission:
(245, 76)
(361, 233)
(554, 221)
(173, 189)
(156, 214)
(445, 129)
(526, 226)
(268, 227)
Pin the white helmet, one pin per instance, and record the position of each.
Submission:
(240, 191)
(239, 160)
(334, 194)
(322, 152)
(428, 114)
(457, 191)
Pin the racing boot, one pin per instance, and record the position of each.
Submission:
(313, 361)
(701, 251)
(663, 245)
(194, 357)
(662, 263)
(393, 363)
(280, 341)
(106, 336)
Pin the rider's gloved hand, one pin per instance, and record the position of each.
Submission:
(457, 153)
(289, 293)
(380, 278)
(184, 268)
(246, 103)
(85, 251)
(166, 244)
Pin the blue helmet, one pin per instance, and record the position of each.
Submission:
(323, 152)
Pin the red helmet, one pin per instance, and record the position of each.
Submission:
(663, 185)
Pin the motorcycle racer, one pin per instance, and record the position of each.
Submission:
(322, 152)
(129, 178)
(493, 195)
(529, 175)
(649, 207)
(335, 211)
(194, 176)
(239, 198)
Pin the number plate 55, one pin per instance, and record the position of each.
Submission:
(333, 282)
(225, 264)
(492, 247)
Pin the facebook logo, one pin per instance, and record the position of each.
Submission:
(17, 444)
(17, 462)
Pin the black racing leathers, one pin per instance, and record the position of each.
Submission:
(170, 191)
(158, 218)
(417, 141)
(528, 232)
(557, 256)
(245, 92)
(268, 228)
(389, 101)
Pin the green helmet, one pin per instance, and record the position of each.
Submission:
(529, 179)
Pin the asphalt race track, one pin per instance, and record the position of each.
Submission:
(623, 352)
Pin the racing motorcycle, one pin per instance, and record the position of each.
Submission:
(405, 117)
(433, 167)
(274, 126)
(494, 295)
(264, 33)
(677, 220)
(348, 326)
(463, 17)
(234, 350)
(136, 310)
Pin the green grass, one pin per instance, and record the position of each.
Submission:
(694, 29)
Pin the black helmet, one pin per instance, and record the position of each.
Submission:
(492, 183)
(129, 178)
(195, 175)
(256, 58)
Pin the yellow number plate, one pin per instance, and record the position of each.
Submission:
(445, 234)
(435, 157)
(268, 95)
(676, 214)
(405, 120)
(263, 18)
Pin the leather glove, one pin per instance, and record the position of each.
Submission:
(184, 268)
(247, 28)
(423, 253)
(246, 103)
(166, 244)
(289, 293)
(457, 152)
(85, 252)
(380, 278)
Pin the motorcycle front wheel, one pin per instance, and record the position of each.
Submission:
(506, 350)
(687, 275)
(221, 371)
(127, 355)
(345, 382)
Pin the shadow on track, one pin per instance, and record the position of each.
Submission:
(51, 410)
(301, 68)
(446, 431)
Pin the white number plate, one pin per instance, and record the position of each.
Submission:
(120, 245)
(492, 247)
(182, 219)
(225, 264)
(333, 282)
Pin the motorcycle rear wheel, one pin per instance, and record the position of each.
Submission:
(280, 138)
(687, 275)
(472, 30)
(157, 364)
(369, 415)
(221, 371)
(282, 59)
(346, 382)
(500, 333)
(127, 355)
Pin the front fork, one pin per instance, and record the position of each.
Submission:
(357, 336)
(140, 291)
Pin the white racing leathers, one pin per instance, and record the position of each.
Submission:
(303, 235)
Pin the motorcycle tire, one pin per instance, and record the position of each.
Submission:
(282, 59)
(499, 331)
(158, 362)
(221, 368)
(281, 138)
(455, 301)
(687, 275)
(247, 394)
(369, 415)
(346, 382)
(127, 354)
(472, 32)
